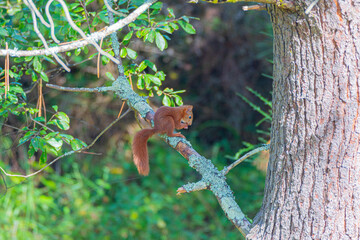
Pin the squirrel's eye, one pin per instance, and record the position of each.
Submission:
(189, 117)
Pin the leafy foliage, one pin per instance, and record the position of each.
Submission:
(112, 202)
(153, 27)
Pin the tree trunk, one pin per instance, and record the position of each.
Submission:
(313, 181)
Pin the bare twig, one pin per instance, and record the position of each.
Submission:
(36, 29)
(258, 7)
(192, 187)
(52, 26)
(76, 28)
(68, 153)
(7, 63)
(33, 8)
(121, 109)
(112, 10)
(98, 60)
(70, 89)
(234, 164)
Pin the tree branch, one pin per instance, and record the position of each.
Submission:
(192, 187)
(76, 28)
(70, 89)
(35, 12)
(112, 10)
(249, 154)
(83, 42)
(211, 176)
(32, 7)
(283, 4)
(52, 26)
(258, 7)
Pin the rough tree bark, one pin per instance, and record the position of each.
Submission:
(313, 181)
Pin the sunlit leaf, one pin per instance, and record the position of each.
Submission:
(166, 101)
(161, 43)
(131, 53)
(187, 27)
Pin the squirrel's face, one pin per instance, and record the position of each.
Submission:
(187, 116)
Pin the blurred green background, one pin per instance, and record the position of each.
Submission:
(101, 196)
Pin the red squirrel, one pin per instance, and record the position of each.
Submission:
(166, 120)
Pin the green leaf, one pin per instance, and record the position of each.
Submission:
(141, 67)
(40, 119)
(187, 27)
(151, 65)
(161, 43)
(105, 60)
(26, 137)
(51, 135)
(66, 137)
(55, 107)
(43, 157)
(77, 51)
(57, 144)
(88, 2)
(140, 82)
(166, 101)
(18, 60)
(62, 121)
(31, 151)
(29, 58)
(186, 18)
(3, 32)
(128, 36)
(153, 79)
(178, 100)
(171, 13)
(150, 36)
(37, 65)
(147, 82)
(35, 143)
(131, 53)
(173, 25)
(44, 76)
(166, 29)
(123, 52)
(161, 75)
(157, 5)
(33, 76)
(110, 76)
(77, 144)
(73, 6)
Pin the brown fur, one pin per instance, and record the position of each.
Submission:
(166, 120)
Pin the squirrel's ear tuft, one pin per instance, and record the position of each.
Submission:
(189, 107)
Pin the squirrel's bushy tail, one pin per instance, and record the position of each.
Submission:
(140, 152)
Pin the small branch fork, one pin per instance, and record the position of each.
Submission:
(201, 185)
(227, 169)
